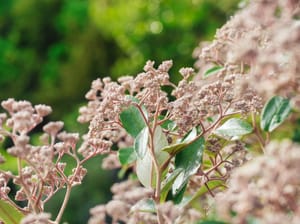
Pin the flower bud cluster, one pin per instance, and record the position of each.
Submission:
(41, 172)
(265, 188)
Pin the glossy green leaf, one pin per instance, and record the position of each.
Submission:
(141, 142)
(9, 214)
(132, 120)
(212, 71)
(191, 135)
(144, 166)
(177, 147)
(144, 205)
(234, 127)
(275, 111)
(179, 196)
(189, 160)
(167, 185)
(126, 155)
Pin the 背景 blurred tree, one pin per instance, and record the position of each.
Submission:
(51, 50)
(158, 29)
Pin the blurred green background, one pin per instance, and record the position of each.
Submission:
(51, 50)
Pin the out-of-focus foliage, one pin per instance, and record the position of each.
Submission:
(51, 50)
(158, 29)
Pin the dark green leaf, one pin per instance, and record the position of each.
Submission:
(234, 127)
(141, 143)
(167, 185)
(212, 71)
(9, 214)
(177, 198)
(126, 155)
(189, 160)
(275, 111)
(132, 120)
(177, 147)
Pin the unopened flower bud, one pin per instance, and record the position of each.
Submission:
(43, 110)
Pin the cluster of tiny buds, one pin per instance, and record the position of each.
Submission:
(263, 186)
(41, 171)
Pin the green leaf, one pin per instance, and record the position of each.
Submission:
(203, 189)
(177, 147)
(189, 160)
(167, 185)
(144, 170)
(191, 135)
(234, 127)
(167, 124)
(160, 141)
(253, 220)
(126, 155)
(9, 214)
(212, 71)
(144, 205)
(144, 166)
(132, 121)
(10, 162)
(275, 111)
(177, 198)
(211, 222)
(141, 142)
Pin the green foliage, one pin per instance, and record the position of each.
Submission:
(10, 162)
(145, 205)
(211, 185)
(211, 222)
(144, 166)
(167, 185)
(188, 161)
(126, 155)
(132, 120)
(177, 147)
(234, 128)
(141, 143)
(275, 111)
(212, 71)
(50, 50)
(9, 214)
(173, 27)
(145, 170)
